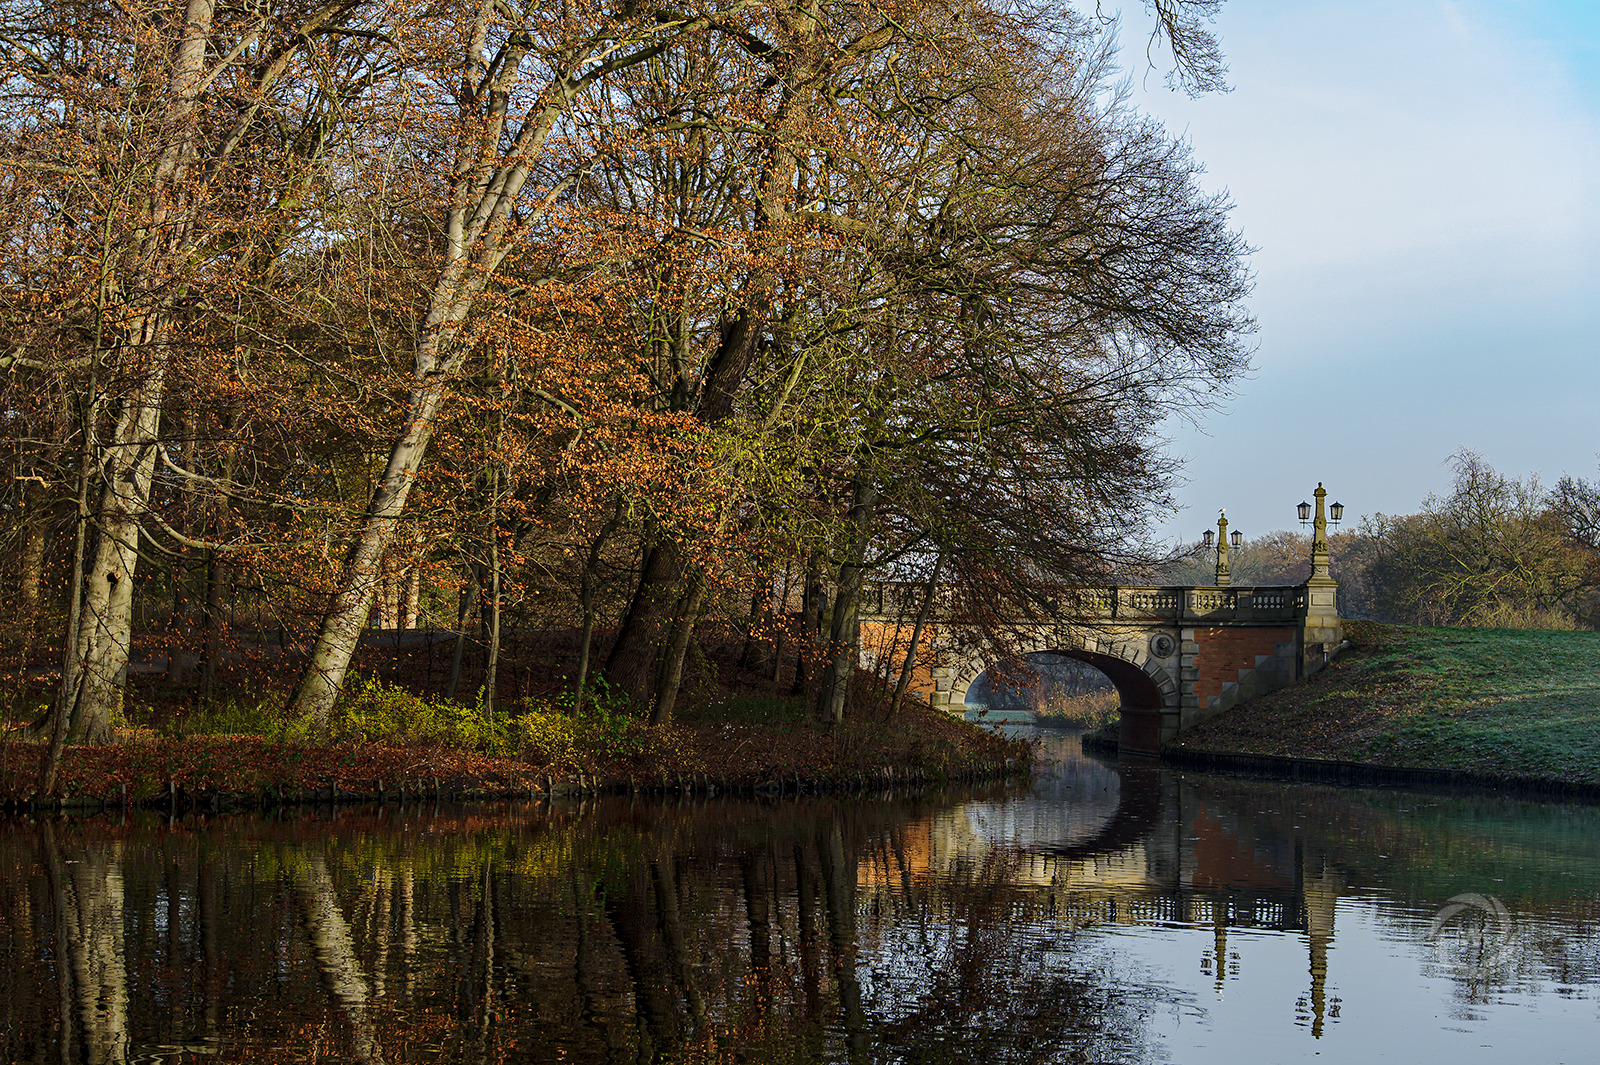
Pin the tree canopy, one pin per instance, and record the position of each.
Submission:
(600, 316)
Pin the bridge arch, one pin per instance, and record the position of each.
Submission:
(1144, 683)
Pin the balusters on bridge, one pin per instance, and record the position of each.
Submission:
(901, 599)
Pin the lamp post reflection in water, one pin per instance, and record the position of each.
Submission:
(1058, 922)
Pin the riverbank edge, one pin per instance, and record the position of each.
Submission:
(1357, 774)
(505, 780)
(184, 801)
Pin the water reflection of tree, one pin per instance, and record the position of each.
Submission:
(991, 986)
(86, 908)
(786, 932)
(631, 934)
(333, 947)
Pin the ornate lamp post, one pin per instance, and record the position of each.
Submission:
(1321, 631)
(1319, 531)
(1222, 539)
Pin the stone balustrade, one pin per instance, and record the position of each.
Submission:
(896, 600)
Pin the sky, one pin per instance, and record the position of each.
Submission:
(1421, 182)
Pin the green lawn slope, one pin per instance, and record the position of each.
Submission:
(1514, 704)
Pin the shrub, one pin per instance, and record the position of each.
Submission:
(1090, 710)
(372, 710)
(606, 726)
(545, 731)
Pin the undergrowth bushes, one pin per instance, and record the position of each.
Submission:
(552, 732)
(1090, 710)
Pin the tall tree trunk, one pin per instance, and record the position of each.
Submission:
(465, 613)
(844, 637)
(412, 618)
(754, 655)
(389, 594)
(218, 575)
(175, 636)
(126, 465)
(346, 613)
(30, 586)
(479, 230)
(179, 563)
(662, 578)
(591, 568)
(632, 664)
(671, 678)
(61, 715)
(916, 636)
(491, 663)
(780, 610)
(30, 599)
(812, 596)
(105, 624)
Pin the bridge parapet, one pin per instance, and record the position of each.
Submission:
(1182, 604)
(1178, 604)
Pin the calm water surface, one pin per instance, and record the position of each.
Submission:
(1115, 914)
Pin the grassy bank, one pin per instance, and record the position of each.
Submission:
(390, 744)
(1517, 705)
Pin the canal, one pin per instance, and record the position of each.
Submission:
(1105, 914)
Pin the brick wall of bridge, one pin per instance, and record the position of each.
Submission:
(883, 648)
(1223, 652)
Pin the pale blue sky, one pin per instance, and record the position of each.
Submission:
(1422, 181)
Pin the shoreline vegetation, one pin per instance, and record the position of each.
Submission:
(1080, 712)
(390, 745)
(1404, 705)
(1415, 705)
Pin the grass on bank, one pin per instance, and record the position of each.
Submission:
(1517, 703)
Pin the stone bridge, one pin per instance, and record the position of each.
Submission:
(1177, 655)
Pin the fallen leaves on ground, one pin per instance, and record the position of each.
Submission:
(920, 745)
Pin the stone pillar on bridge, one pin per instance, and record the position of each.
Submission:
(1321, 631)
(1224, 569)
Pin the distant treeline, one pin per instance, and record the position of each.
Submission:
(1496, 551)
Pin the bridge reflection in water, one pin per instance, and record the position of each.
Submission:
(1144, 849)
(1095, 917)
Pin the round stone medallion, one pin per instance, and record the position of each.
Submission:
(1162, 645)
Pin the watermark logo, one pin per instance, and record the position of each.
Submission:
(1480, 942)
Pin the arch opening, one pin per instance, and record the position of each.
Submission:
(1076, 670)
